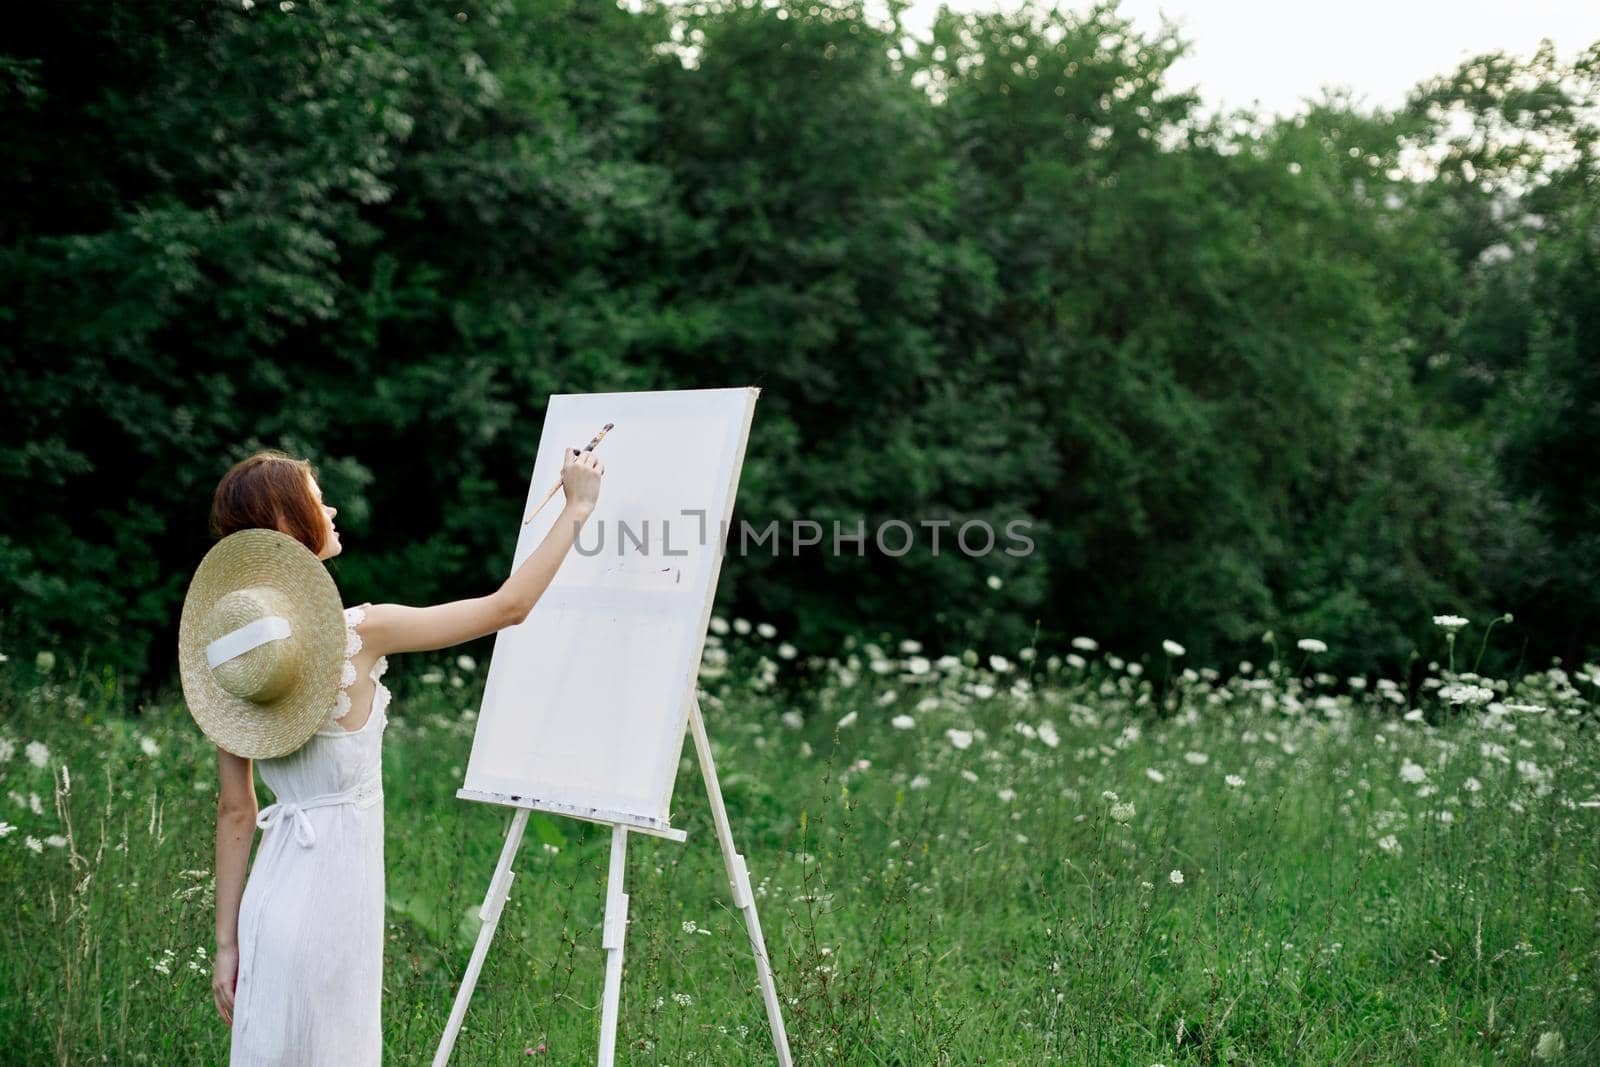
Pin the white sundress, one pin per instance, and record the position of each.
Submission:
(310, 989)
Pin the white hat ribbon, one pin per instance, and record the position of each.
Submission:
(251, 635)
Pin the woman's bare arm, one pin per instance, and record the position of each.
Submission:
(236, 829)
(398, 628)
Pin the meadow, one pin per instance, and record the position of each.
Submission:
(1057, 856)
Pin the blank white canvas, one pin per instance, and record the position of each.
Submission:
(587, 700)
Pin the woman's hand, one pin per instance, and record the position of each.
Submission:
(580, 478)
(225, 979)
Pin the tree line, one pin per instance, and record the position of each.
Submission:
(1327, 375)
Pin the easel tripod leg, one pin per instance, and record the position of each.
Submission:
(493, 904)
(739, 879)
(611, 939)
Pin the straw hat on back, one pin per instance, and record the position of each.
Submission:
(261, 643)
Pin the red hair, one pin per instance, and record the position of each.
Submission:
(270, 489)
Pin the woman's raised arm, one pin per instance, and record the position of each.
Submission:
(397, 628)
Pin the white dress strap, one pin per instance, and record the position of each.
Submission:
(353, 617)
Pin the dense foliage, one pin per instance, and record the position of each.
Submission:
(1327, 375)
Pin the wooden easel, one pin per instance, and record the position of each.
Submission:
(616, 916)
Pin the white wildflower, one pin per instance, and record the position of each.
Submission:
(1154, 775)
(1466, 694)
(792, 719)
(1449, 623)
(1176, 877)
(1412, 772)
(1172, 648)
(1123, 811)
(149, 747)
(1196, 758)
(1311, 644)
(993, 581)
(1085, 644)
(1234, 780)
(903, 722)
(37, 752)
(848, 720)
(766, 630)
(959, 738)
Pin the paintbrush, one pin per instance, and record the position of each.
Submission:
(590, 447)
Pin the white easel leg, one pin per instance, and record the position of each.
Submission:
(611, 938)
(493, 904)
(739, 879)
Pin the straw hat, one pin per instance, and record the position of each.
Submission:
(261, 643)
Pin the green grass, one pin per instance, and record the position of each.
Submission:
(924, 903)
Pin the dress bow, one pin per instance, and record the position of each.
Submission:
(272, 814)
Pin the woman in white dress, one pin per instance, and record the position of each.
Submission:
(299, 960)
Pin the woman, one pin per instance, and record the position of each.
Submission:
(299, 961)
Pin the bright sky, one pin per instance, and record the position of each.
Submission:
(1273, 53)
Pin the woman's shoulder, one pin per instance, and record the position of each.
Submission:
(354, 640)
(360, 658)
